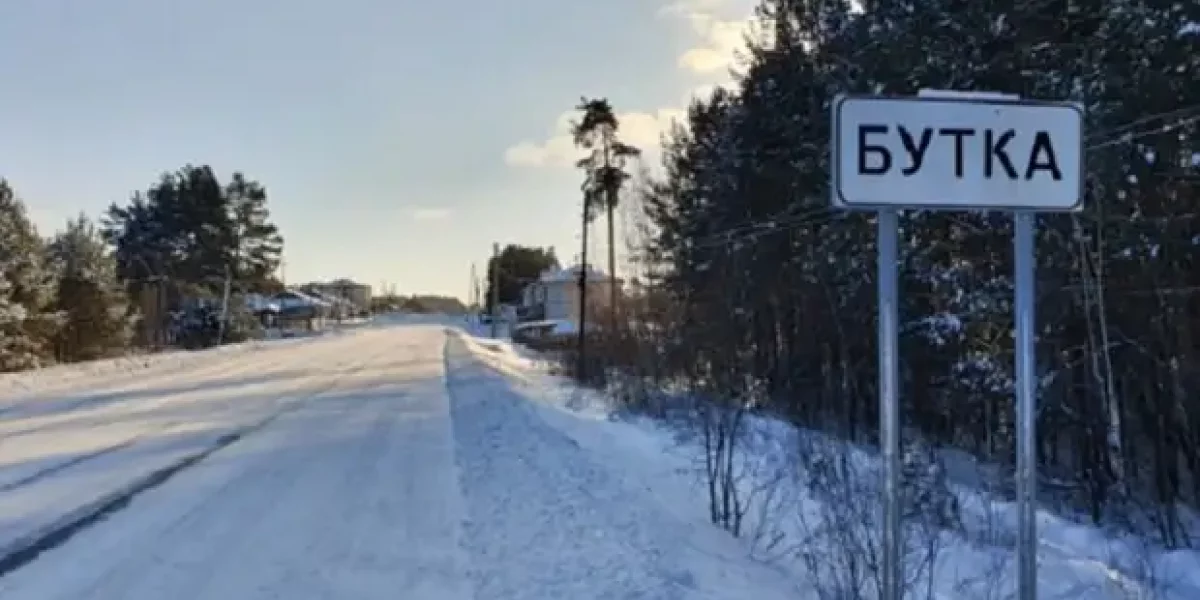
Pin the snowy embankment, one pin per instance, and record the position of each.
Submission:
(812, 506)
(551, 514)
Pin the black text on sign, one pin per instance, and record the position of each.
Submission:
(939, 153)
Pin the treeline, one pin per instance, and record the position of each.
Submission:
(149, 273)
(419, 304)
(758, 293)
(511, 270)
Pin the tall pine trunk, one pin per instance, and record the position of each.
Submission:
(581, 367)
(612, 265)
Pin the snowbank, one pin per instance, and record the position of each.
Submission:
(533, 371)
(813, 506)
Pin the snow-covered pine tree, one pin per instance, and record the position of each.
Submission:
(258, 245)
(18, 351)
(95, 308)
(26, 289)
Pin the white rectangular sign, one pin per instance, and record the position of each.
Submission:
(956, 154)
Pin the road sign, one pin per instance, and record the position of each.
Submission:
(946, 150)
(957, 152)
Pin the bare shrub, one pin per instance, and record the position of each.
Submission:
(841, 526)
(993, 536)
(716, 423)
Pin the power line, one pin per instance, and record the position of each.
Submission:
(1180, 113)
(781, 221)
(1125, 139)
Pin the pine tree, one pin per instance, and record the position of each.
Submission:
(258, 246)
(179, 241)
(18, 351)
(518, 266)
(95, 309)
(26, 289)
(202, 215)
(597, 131)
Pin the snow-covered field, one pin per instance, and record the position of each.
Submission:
(819, 534)
(388, 461)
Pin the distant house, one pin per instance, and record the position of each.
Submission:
(555, 294)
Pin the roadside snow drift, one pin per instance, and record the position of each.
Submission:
(821, 527)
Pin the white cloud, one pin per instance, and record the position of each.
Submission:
(700, 91)
(430, 214)
(719, 40)
(641, 129)
(704, 60)
(689, 7)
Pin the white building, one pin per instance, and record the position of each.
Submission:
(555, 295)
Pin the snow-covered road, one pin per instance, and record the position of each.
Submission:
(387, 463)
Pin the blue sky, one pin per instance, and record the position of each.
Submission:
(397, 140)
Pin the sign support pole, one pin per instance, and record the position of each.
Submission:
(889, 401)
(867, 156)
(1024, 224)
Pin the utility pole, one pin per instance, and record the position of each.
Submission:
(495, 290)
(610, 197)
(224, 306)
(473, 288)
(478, 287)
(581, 368)
(163, 328)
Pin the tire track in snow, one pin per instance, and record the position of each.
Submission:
(322, 483)
(48, 471)
(247, 490)
(147, 407)
(23, 551)
(110, 388)
(129, 441)
(109, 396)
(112, 393)
(92, 513)
(106, 450)
(184, 364)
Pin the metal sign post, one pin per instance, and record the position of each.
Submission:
(888, 226)
(946, 150)
(1024, 280)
